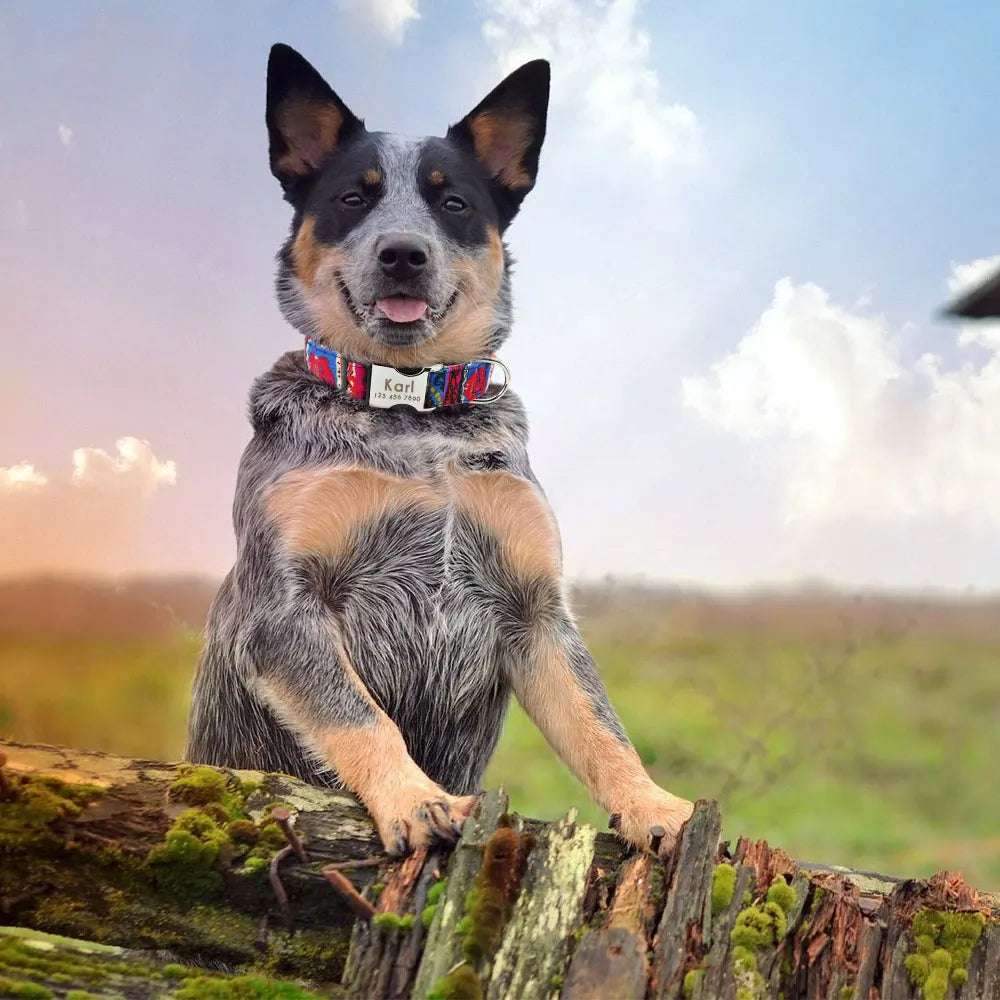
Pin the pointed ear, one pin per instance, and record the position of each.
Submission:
(306, 120)
(506, 129)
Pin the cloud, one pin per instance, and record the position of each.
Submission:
(135, 467)
(862, 433)
(65, 135)
(22, 477)
(89, 521)
(390, 18)
(604, 71)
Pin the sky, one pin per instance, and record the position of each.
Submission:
(728, 282)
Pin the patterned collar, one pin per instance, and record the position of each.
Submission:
(428, 389)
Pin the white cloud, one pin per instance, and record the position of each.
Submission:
(135, 467)
(390, 18)
(20, 477)
(603, 68)
(865, 434)
(964, 277)
(92, 520)
(65, 135)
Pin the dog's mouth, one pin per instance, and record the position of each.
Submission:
(400, 313)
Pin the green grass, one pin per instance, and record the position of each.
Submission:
(877, 753)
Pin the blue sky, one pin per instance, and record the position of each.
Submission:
(693, 418)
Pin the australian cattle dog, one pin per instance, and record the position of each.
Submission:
(398, 571)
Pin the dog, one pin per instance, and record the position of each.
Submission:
(398, 569)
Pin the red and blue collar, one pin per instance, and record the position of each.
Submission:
(381, 386)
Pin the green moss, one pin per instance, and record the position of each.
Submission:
(185, 863)
(558, 981)
(37, 804)
(392, 922)
(723, 887)
(241, 988)
(762, 925)
(197, 786)
(461, 983)
(254, 864)
(80, 995)
(270, 840)
(18, 956)
(243, 831)
(848, 992)
(747, 897)
(32, 991)
(691, 980)
(944, 944)
(436, 891)
(427, 916)
(783, 894)
(175, 971)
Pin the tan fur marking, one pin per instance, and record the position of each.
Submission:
(372, 177)
(501, 143)
(311, 131)
(308, 254)
(612, 771)
(373, 762)
(552, 696)
(463, 335)
(318, 510)
(466, 330)
(436, 178)
(513, 510)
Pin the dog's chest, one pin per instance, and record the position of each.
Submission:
(447, 528)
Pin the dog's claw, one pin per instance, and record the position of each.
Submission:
(435, 817)
(656, 833)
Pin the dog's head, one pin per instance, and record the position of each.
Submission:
(395, 253)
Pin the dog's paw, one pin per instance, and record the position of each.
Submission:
(419, 816)
(652, 820)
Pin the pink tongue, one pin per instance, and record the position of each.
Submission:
(402, 308)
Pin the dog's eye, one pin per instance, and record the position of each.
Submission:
(353, 200)
(455, 204)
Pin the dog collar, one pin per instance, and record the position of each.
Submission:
(428, 389)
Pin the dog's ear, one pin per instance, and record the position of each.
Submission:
(306, 120)
(505, 131)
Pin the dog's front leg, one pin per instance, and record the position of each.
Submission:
(306, 676)
(558, 685)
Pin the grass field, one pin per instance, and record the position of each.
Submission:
(869, 742)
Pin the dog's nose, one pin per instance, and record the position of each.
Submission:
(402, 255)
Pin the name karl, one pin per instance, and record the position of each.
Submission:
(408, 388)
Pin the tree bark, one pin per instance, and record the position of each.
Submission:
(177, 873)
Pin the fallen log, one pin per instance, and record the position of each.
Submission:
(166, 880)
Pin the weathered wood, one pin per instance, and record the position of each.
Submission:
(536, 946)
(443, 947)
(555, 909)
(682, 936)
(611, 960)
(86, 872)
